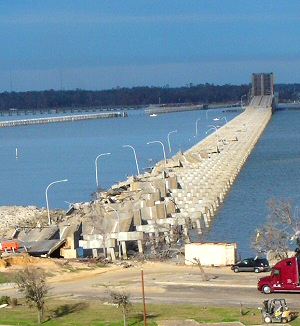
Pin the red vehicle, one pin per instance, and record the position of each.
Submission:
(284, 277)
(10, 245)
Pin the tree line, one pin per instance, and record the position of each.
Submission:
(137, 96)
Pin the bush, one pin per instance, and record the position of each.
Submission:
(5, 299)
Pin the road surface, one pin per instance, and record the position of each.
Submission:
(164, 283)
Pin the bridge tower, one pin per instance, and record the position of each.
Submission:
(262, 92)
(262, 84)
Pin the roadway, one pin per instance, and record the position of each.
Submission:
(165, 283)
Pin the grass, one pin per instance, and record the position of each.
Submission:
(6, 278)
(95, 313)
(92, 265)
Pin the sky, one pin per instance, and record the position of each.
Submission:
(100, 44)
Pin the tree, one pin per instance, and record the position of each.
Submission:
(121, 300)
(280, 231)
(31, 282)
(167, 240)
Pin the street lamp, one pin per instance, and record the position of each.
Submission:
(118, 215)
(224, 119)
(47, 202)
(163, 146)
(213, 126)
(96, 167)
(216, 130)
(136, 162)
(242, 100)
(206, 113)
(197, 125)
(171, 132)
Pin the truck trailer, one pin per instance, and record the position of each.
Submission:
(284, 277)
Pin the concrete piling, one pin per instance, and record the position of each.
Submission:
(188, 191)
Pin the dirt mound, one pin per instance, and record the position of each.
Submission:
(19, 261)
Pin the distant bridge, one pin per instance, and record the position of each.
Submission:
(25, 122)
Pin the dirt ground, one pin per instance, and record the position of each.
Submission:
(60, 269)
(56, 269)
(64, 270)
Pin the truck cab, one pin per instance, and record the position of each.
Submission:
(284, 277)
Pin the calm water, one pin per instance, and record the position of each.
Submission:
(52, 152)
(57, 151)
(271, 171)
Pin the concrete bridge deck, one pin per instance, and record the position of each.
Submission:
(211, 166)
(67, 118)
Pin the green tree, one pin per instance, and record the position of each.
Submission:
(32, 284)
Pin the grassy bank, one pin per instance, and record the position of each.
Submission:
(63, 313)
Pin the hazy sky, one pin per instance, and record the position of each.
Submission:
(103, 44)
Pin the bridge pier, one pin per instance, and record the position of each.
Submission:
(208, 180)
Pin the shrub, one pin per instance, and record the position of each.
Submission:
(5, 299)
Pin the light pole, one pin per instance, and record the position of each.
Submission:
(118, 215)
(213, 126)
(242, 100)
(224, 119)
(136, 161)
(96, 167)
(163, 146)
(206, 113)
(171, 132)
(47, 202)
(216, 130)
(197, 126)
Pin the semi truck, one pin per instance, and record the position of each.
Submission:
(284, 277)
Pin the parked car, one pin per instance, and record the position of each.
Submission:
(255, 264)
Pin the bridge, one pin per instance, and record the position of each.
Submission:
(185, 191)
(67, 118)
(210, 167)
(208, 170)
(264, 101)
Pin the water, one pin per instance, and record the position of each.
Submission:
(271, 171)
(52, 152)
(57, 151)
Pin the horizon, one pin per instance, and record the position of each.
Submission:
(88, 45)
(143, 86)
(119, 87)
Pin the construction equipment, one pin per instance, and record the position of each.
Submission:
(275, 311)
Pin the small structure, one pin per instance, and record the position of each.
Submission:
(211, 253)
